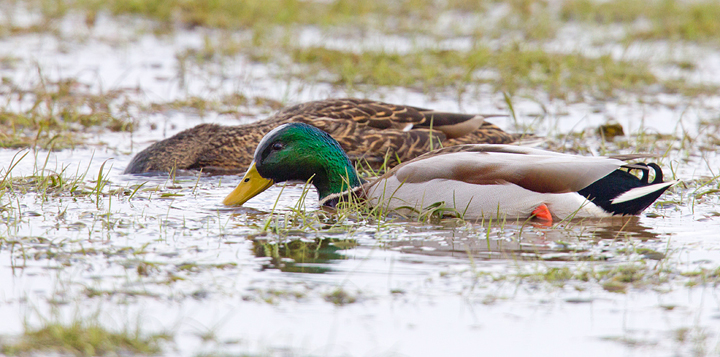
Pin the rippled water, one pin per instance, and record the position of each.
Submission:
(170, 256)
(188, 264)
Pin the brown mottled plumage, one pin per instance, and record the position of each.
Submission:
(367, 130)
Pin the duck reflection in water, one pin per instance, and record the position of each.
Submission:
(571, 240)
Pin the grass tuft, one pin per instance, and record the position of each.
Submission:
(669, 19)
(340, 297)
(516, 67)
(82, 339)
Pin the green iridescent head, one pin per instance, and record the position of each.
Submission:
(297, 152)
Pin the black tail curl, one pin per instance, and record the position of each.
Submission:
(603, 191)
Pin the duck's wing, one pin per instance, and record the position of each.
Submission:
(384, 116)
(377, 132)
(489, 133)
(533, 169)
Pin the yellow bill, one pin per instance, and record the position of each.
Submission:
(250, 186)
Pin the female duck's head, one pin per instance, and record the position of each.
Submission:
(296, 152)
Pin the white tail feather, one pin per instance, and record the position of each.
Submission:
(638, 192)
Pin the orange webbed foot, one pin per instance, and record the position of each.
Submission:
(543, 213)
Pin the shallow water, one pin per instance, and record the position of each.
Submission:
(170, 257)
(420, 288)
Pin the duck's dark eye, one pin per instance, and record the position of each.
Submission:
(277, 146)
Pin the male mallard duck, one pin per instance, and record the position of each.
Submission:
(479, 180)
(367, 130)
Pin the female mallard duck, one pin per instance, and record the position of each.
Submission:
(367, 130)
(482, 180)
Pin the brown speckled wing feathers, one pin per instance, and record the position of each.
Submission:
(367, 130)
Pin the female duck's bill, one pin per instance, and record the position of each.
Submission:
(500, 181)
